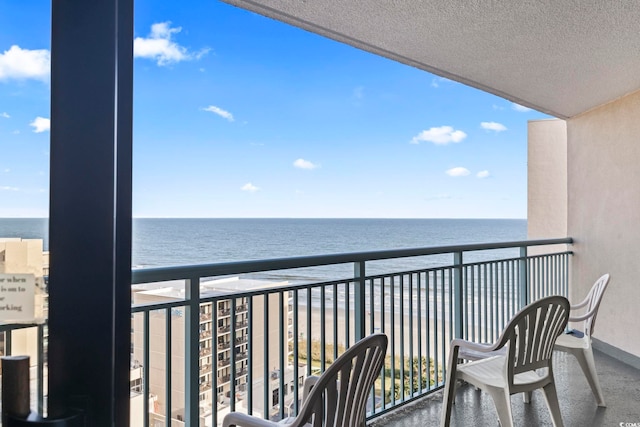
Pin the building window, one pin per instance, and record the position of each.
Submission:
(136, 385)
(275, 396)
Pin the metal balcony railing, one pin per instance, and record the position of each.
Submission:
(443, 293)
(300, 329)
(205, 352)
(243, 324)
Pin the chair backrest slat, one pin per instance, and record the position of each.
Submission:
(339, 396)
(532, 332)
(595, 298)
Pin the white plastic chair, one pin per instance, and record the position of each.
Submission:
(578, 343)
(529, 338)
(338, 397)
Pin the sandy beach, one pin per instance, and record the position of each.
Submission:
(427, 336)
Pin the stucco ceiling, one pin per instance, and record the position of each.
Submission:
(557, 56)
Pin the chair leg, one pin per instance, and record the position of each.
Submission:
(526, 396)
(502, 400)
(456, 386)
(585, 359)
(551, 397)
(448, 399)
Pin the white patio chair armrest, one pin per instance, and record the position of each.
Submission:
(243, 420)
(309, 382)
(586, 315)
(581, 318)
(581, 304)
(469, 345)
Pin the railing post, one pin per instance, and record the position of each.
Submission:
(359, 274)
(458, 295)
(192, 352)
(524, 277)
(232, 353)
(40, 370)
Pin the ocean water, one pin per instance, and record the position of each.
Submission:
(166, 242)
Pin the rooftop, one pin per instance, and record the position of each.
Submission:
(175, 288)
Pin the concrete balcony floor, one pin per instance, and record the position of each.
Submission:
(620, 384)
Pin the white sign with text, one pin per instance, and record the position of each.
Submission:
(17, 297)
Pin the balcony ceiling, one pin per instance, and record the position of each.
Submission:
(557, 56)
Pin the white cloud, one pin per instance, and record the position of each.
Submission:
(219, 111)
(159, 47)
(520, 108)
(40, 124)
(5, 115)
(6, 188)
(304, 164)
(436, 82)
(20, 64)
(7, 170)
(441, 135)
(15, 132)
(483, 174)
(249, 187)
(497, 107)
(459, 171)
(358, 92)
(494, 126)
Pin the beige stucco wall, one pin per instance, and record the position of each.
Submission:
(604, 214)
(22, 256)
(547, 179)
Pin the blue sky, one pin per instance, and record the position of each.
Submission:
(237, 115)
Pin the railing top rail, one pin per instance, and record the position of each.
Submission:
(12, 326)
(147, 275)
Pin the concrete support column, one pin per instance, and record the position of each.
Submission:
(90, 209)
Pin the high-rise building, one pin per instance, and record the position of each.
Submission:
(223, 330)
